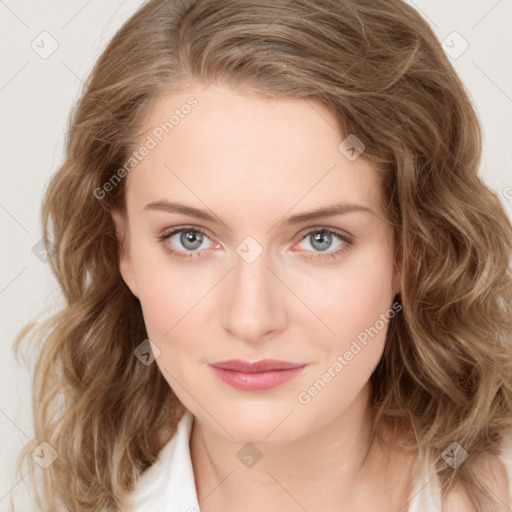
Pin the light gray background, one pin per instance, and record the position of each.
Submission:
(36, 95)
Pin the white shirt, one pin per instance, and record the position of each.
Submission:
(169, 486)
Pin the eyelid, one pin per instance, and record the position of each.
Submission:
(340, 232)
(173, 230)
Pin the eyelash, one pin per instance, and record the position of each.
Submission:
(348, 242)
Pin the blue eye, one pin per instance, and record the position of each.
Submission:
(323, 239)
(191, 239)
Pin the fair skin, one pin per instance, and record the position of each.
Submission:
(254, 163)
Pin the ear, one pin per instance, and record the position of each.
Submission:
(124, 257)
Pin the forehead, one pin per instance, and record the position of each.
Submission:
(220, 145)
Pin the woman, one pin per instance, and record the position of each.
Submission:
(283, 273)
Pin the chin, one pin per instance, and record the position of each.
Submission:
(260, 424)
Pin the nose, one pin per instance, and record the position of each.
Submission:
(254, 304)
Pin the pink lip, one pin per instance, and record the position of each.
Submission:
(257, 375)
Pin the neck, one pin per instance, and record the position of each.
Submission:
(337, 458)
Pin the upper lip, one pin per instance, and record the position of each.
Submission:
(264, 365)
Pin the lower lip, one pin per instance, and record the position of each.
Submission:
(256, 381)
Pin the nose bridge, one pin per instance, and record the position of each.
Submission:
(254, 306)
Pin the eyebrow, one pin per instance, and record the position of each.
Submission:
(326, 211)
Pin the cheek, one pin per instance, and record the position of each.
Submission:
(166, 292)
(368, 296)
(357, 309)
(350, 298)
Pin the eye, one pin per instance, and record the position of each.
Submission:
(190, 239)
(321, 239)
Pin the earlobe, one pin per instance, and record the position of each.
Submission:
(124, 257)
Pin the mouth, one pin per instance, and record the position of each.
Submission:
(256, 375)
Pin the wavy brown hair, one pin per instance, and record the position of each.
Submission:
(446, 371)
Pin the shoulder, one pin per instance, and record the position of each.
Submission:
(492, 474)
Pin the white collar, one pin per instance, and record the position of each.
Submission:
(168, 485)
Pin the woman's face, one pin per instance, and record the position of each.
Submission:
(250, 276)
